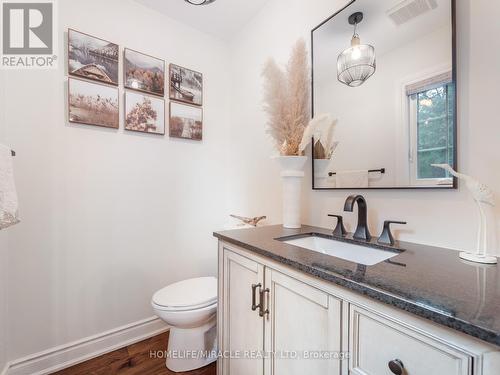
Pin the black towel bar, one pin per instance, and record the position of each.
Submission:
(381, 170)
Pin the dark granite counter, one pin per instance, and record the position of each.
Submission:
(431, 282)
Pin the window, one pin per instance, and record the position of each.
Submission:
(432, 126)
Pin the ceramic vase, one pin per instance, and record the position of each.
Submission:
(292, 174)
(321, 170)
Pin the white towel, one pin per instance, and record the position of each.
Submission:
(352, 179)
(9, 214)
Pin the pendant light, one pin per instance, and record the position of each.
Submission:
(199, 2)
(357, 63)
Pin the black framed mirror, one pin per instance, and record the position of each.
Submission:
(384, 96)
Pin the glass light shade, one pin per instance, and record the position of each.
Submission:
(199, 2)
(356, 64)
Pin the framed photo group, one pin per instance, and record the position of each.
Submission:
(93, 92)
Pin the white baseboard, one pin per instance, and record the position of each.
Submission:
(68, 355)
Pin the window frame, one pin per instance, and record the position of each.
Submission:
(411, 121)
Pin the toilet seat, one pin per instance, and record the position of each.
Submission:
(183, 309)
(187, 295)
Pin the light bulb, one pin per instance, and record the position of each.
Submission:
(356, 53)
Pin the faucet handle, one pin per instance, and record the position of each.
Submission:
(386, 237)
(339, 230)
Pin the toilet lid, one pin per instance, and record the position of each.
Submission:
(198, 293)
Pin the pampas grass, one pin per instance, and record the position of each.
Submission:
(286, 100)
(321, 127)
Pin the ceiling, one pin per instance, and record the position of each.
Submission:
(222, 18)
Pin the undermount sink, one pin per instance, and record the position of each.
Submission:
(360, 254)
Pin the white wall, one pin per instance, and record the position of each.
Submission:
(254, 183)
(444, 218)
(109, 217)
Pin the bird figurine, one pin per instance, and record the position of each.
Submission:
(253, 221)
(484, 198)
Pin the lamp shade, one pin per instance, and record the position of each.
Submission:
(356, 64)
(199, 2)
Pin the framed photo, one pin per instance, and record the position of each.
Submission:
(186, 85)
(144, 73)
(92, 58)
(144, 113)
(93, 104)
(186, 121)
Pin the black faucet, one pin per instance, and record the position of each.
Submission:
(386, 237)
(362, 232)
(339, 230)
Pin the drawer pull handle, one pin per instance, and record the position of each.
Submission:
(396, 367)
(263, 312)
(254, 297)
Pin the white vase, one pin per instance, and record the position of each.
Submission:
(321, 170)
(292, 174)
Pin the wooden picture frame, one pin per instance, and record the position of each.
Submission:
(144, 73)
(144, 113)
(94, 104)
(185, 85)
(185, 121)
(92, 58)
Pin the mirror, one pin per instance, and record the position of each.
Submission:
(384, 75)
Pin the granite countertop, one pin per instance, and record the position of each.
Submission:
(431, 282)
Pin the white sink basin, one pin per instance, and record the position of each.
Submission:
(344, 250)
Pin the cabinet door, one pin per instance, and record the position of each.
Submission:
(302, 323)
(243, 333)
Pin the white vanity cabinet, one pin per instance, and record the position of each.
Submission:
(249, 331)
(305, 323)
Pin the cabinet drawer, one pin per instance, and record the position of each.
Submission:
(374, 341)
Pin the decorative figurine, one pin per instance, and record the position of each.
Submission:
(253, 221)
(484, 198)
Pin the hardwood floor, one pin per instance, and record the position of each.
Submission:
(132, 360)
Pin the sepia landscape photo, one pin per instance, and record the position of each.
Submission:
(93, 104)
(186, 121)
(92, 58)
(144, 73)
(144, 113)
(186, 85)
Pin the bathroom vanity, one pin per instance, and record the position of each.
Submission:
(285, 308)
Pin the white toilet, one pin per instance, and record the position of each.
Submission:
(189, 307)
